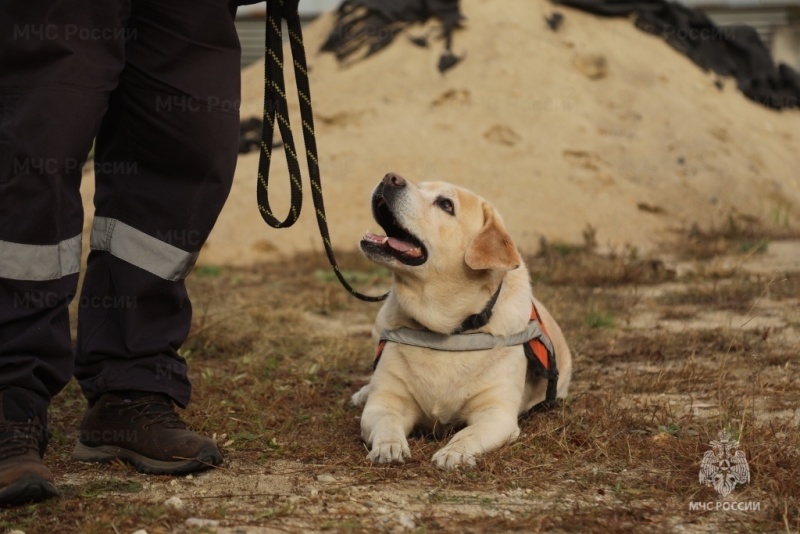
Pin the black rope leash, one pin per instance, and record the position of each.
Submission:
(276, 109)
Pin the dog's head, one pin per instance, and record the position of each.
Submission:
(436, 229)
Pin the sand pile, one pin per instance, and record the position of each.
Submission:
(597, 124)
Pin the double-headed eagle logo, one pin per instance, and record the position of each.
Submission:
(724, 466)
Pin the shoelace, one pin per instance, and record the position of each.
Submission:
(18, 438)
(157, 409)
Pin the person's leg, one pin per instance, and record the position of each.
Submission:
(165, 158)
(59, 61)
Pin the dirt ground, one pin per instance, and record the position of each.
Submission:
(668, 351)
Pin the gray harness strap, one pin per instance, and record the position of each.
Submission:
(465, 342)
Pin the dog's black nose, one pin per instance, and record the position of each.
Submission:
(394, 180)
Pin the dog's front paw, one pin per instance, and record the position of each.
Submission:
(389, 451)
(452, 457)
(359, 398)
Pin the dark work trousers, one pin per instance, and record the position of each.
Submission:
(156, 84)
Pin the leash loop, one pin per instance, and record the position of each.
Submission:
(276, 109)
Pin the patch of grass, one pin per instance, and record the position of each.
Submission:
(672, 429)
(354, 277)
(600, 319)
(576, 264)
(738, 233)
(208, 270)
(275, 512)
(92, 516)
(753, 246)
(342, 526)
(725, 296)
(549, 248)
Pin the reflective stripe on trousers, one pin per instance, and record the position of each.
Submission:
(137, 248)
(19, 261)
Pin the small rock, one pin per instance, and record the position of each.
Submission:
(406, 520)
(189, 477)
(200, 522)
(140, 531)
(326, 478)
(175, 503)
(23, 532)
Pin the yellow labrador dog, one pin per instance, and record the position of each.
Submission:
(462, 341)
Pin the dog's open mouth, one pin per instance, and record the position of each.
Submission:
(398, 242)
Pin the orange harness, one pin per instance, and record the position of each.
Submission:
(539, 350)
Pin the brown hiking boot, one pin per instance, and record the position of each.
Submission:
(23, 476)
(143, 431)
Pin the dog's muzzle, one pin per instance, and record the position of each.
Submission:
(398, 242)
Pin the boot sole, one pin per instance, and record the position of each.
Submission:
(208, 458)
(28, 489)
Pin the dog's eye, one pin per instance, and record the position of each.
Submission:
(446, 204)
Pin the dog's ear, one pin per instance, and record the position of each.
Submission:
(492, 248)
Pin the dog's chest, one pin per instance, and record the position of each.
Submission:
(448, 386)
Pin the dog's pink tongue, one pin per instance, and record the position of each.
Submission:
(400, 246)
(406, 248)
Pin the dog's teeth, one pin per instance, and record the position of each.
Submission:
(375, 238)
